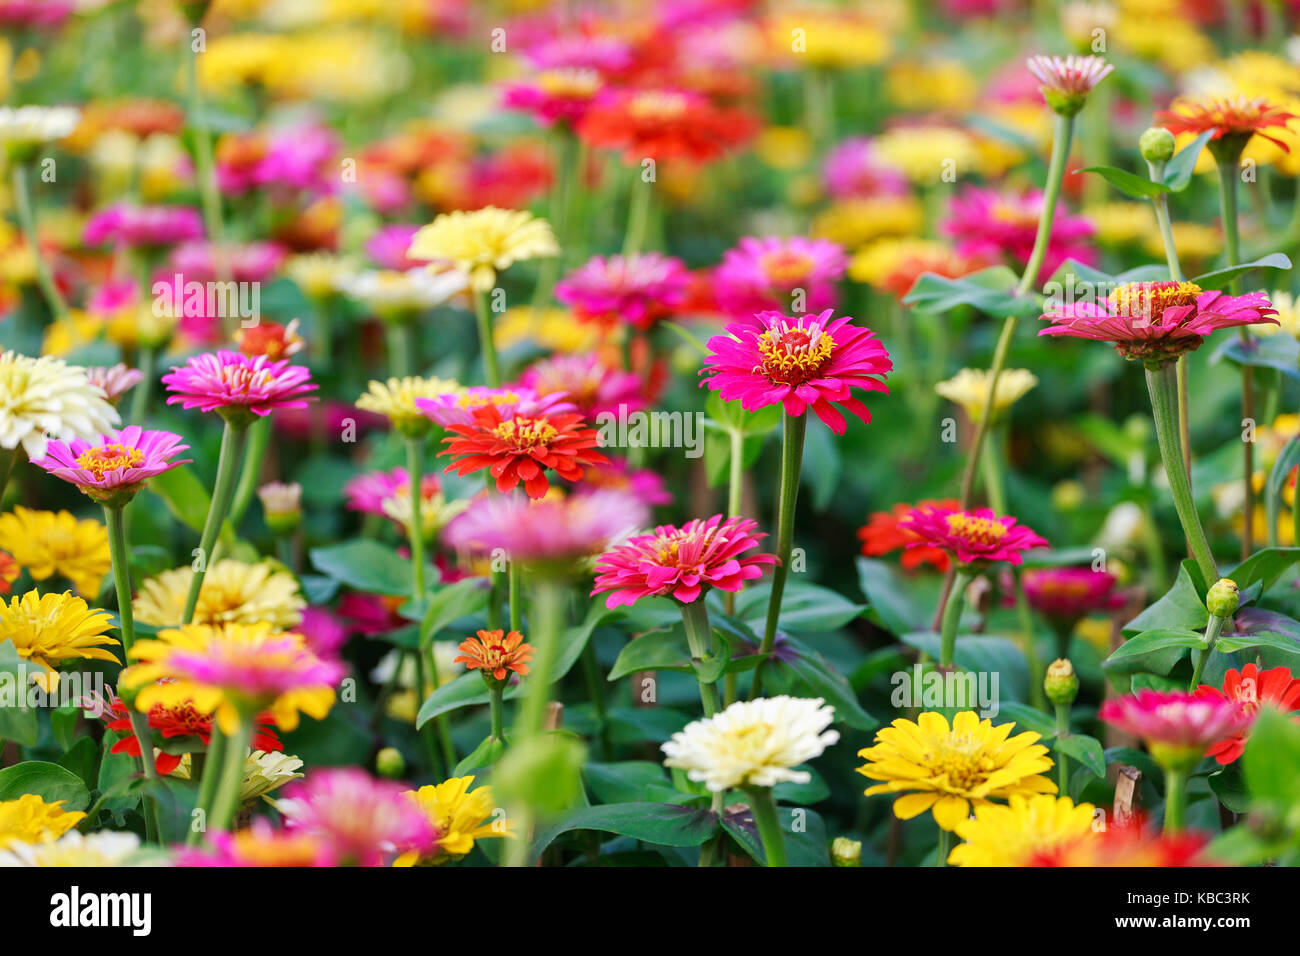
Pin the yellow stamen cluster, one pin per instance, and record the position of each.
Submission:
(794, 355)
(1150, 299)
(99, 461)
(983, 531)
(574, 83)
(525, 433)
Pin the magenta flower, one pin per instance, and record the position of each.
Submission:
(323, 633)
(1155, 322)
(768, 274)
(244, 262)
(368, 492)
(587, 382)
(812, 361)
(1176, 726)
(1067, 594)
(636, 290)
(236, 385)
(388, 247)
(32, 14)
(549, 530)
(457, 408)
(559, 95)
(853, 171)
(258, 845)
(682, 562)
(643, 484)
(116, 464)
(995, 226)
(975, 537)
(363, 821)
(134, 226)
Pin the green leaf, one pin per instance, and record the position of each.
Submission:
(18, 722)
(665, 824)
(1271, 764)
(990, 290)
(1287, 459)
(364, 565)
(629, 781)
(1230, 788)
(1182, 607)
(1130, 184)
(1220, 278)
(1086, 750)
(1265, 566)
(888, 599)
(48, 781)
(467, 690)
(184, 494)
(983, 654)
(826, 682)
(450, 603)
(1228, 643)
(664, 650)
(1155, 651)
(1178, 171)
(1026, 718)
(805, 607)
(805, 846)
(483, 756)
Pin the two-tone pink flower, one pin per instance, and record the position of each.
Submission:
(113, 467)
(237, 386)
(1177, 727)
(977, 537)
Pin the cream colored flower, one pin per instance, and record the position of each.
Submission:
(264, 772)
(435, 510)
(969, 388)
(233, 592)
(395, 399)
(108, 848)
(397, 294)
(1288, 317)
(29, 126)
(485, 241)
(753, 743)
(318, 274)
(279, 498)
(43, 398)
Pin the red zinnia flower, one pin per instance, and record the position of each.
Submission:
(9, 571)
(1250, 688)
(883, 534)
(1241, 117)
(180, 722)
(664, 125)
(521, 448)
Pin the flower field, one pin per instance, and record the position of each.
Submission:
(699, 433)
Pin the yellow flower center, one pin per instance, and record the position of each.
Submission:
(575, 84)
(793, 355)
(658, 105)
(977, 530)
(525, 433)
(786, 267)
(1150, 299)
(99, 461)
(961, 759)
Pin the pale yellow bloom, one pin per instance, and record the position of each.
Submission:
(969, 388)
(396, 398)
(46, 543)
(854, 222)
(928, 154)
(233, 592)
(107, 848)
(485, 241)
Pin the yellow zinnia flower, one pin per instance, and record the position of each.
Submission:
(952, 769)
(925, 154)
(853, 223)
(233, 592)
(395, 399)
(47, 543)
(553, 329)
(485, 241)
(52, 628)
(232, 672)
(459, 816)
(29, 819)
(969, 388)
(1013, 835)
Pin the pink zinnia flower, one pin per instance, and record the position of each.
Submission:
(260, 845)
(115, 380)
(635, 290)
(642, 483)
(1155, 322)
(812, 361)
(134, 226)
(551, 530)
(363, 821)
(993, 226)
(1068, 594)
(234, 384)
(852, 170)
(457, 408)
(1067, 81)
(682, 562)
(765, 274)
(587, 382)
(977, 536)
(388, 247)
(116, 464)
(244, 262)
(322, 631)
(368, 492)
(30, 14)
(257, 664)
(559, 95)
(1177, 727)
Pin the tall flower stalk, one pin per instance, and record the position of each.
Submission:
(793, 428)
(27, 222)
(234, 436)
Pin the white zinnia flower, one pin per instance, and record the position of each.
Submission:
(43, 398)
(107, 848)
(29, 126)
(264, 772)
(385, 290)
(753, 743)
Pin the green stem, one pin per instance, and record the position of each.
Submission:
(497, 707)
(205, 168)
(212, 762)
(144, 391)
(735, 486)
(400, 353)
(27, 221)
(769, 827)
(259, 440)
(1063, 136)
(1163, 388)
(1160, 203)
(1062, 730)
(226, 802)
(548, 628)
(8, 459)
(637, 215)
(1212, 631)
(699, 636)
(233, 438)
(1175, 799)
(415, 530)
(944, 847)
(596, 691)
(792, 439)
(951, 618)
(486, 344)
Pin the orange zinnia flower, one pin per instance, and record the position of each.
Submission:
(9, 571)
(521, 447)
(1241, 117)
(494, 654)
(882, 534)
(664, 124)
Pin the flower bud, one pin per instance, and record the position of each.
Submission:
(1223, 598)
(282, 505)
(1157, 145)
(390, 763)
(1061, 684)
(846, 852)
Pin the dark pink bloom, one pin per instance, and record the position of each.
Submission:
(556, 95)
(853, 171)
(322, 631)
(645, 485)
(548, 530)
(635, 290)
(244, 262)
(1176, 726)
(1155, 322)
(587, 382)
(133, 226)
(972, 536)
(116, 464)
(387, 247)
(779, 274)
(231, 381)
(277, 664)
(994, 226)
(258, 845)
(682, 562)
(1070, 593)
(363, 821)
(368, 492)
(809, 361)
(29, 14)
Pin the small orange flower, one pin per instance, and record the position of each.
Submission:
(9, 571)
(494, 654)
